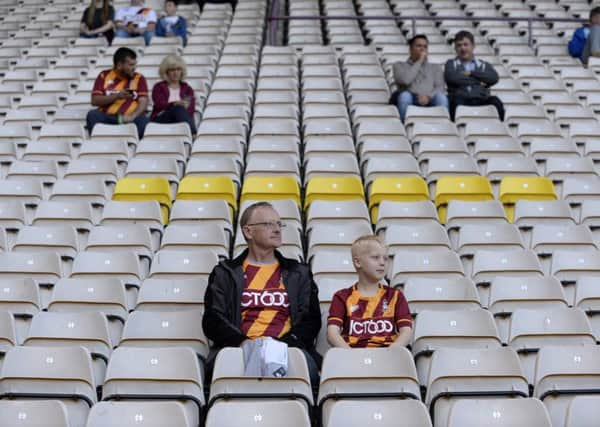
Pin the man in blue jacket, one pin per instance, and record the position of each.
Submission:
(578, 42)
(172, 25)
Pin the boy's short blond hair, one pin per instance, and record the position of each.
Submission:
(363, 242)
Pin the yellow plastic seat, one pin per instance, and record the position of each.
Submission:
(397, 189)
(269, 187)
(467, 188)
(515, 188)
(334, 189)
(208, 188)
(144, 189)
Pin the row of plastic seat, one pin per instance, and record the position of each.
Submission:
(172, 373)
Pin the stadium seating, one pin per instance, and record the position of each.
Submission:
(107, 240)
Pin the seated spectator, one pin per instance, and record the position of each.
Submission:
(369, 313)
(97, 20)
(172, 25)
(591, 44)
(172, 97)
(135, 21)
(263, 294)
(120, 94)
(469, 79)
(419, 82)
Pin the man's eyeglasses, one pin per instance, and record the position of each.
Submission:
(270, 225)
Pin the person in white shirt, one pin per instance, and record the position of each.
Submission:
(136, 20)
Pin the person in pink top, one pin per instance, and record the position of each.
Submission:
(173, 98)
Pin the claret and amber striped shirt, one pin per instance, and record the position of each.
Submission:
(265, 303)
(109, 82)
(369, 321)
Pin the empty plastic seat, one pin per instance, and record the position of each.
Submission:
(468, 188)
(209, 212)
(576, 190)
(335, 238)
(405, 213)
(229, 382)
(171, 295)
(501, 412)
(440, 294)
(74, 213)
(27, 192)
(269, 414)
(45, 268)
(86, 329)
(180, 264)
(60, 239)
(120, 238)
(67, 376)
(165, 329)
(165, 374)
(513, 189)
(563, 371)
(333, 188)
(147, 214)
(401, 189)
(145, 189)
(507, 294)
(568, 266)
(493, 237)
(459, 213)
(429, 237)
(545, 239)
(340, 212)
(31, 413)
(333, 265)
(456, 329)
(386, 413)
(131, 413)
(489, 264)
(471, 373)
(93, 191)
(191, 237)
(530, 213)
(531, 330)
(270, 188)
(583, 411)
(440, 263)
(366, 373)
(8, 334)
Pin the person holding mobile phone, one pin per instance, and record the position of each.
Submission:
(120, 94)
(173, 98)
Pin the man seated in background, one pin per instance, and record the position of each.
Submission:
(263, 294)
(120, 94)
(172, 25)
(580, 37)
(369, 313)
(136, 20)
(469, 79)
(592, 42)
(419, 82)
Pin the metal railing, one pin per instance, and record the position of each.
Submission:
(274, 19)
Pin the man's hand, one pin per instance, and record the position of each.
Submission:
(423, 100)
(467, 73)
(128, 118)
(132, 28)
(423, 56)
(124, 94)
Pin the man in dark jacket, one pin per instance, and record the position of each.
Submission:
(469, 79)
(263, 294)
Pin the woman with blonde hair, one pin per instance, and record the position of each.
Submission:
(97, 20)
(173, 98)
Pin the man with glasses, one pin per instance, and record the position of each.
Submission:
(263, 294)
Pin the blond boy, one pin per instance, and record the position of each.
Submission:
(369, 313)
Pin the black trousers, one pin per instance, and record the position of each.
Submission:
(176, 114)
(455, 101)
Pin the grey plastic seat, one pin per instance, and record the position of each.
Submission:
(366, 373)
(150, 374)
(441, 263)
(66, 372)
(531, 330)
(131, 413)
(492, 237)
(456, 329)
(530, 213)
(230, 384)
(269, 414)
(562, 372)
(181, 264)
(583, 411)
(171, 295)
(86, 329)
(385, 413)
(180, 328)
(471, 373)
(406, 213)
(461, 213)
(501, 412)
(417, 237)
(33, 413)
(440, 294)
(546, 239)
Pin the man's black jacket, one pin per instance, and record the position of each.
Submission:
(222, 316)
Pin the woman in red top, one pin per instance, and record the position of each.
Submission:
(173, 98)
